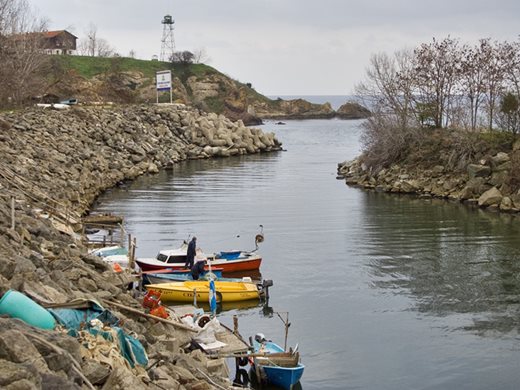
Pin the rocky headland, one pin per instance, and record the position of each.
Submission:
(124, 81)
(54, 165)
(487, 183)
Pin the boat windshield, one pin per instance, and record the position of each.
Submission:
(176, 259)
(162, 257)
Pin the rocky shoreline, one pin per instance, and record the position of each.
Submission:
(302, 109)
(485, 184)
(54, 165)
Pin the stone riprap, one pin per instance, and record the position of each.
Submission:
(486, 183)
(53, 166)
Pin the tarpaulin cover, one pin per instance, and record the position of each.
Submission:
(80, 319)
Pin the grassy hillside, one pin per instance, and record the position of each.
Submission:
(128, 80)
(89, 67)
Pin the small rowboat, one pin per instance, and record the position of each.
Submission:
(225, 291)
(275, 365)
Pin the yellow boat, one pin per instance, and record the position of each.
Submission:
(225, 291)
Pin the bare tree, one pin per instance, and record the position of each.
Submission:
(511, 58)
(93, 45)
(21, 58)
(387, 89)
(103, 48)
(472, 77)
(494, 58)
(436, 67)
(92, 40)
(200, 56)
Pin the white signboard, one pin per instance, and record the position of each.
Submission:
(164, 80)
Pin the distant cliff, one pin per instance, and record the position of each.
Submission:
(126, 80)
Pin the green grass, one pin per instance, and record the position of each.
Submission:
(215, 104)
(498, 140)
(89, 67)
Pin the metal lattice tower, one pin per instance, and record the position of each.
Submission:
(167, 41)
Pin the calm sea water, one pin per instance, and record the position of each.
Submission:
(383, 291)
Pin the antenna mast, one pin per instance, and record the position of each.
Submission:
(167, 41)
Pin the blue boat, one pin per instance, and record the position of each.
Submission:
(274, 365)
(230, 255)
(178, 276)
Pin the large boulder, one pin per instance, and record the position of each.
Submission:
(491, 197)
(351, 110)
(477, 170)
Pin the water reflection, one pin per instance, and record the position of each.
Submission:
(449, 258)
(380, 288)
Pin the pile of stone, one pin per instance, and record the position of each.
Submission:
(486, 183)
(53, 165)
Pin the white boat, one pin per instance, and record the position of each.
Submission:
(228, 261)
(176, 258)
(170, 258)
(113, 255)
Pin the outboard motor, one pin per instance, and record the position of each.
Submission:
(265, 288)
(267, 283)
(260, 338)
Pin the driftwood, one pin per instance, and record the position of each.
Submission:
(140, 313)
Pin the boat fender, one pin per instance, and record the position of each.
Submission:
(210, 276)
(259, 238)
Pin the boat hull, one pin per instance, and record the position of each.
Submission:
(284, 377)
(186, 291)
(241, 264)
(177, 276)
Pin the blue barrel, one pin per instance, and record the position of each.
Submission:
(18, 305)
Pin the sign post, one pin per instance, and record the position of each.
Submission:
(164, 82)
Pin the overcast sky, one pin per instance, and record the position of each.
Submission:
(286, 47)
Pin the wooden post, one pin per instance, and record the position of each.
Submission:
(121, 238)
(235, 324)
(132, 255)
(287, 324)
(129, 243)
(12, 213)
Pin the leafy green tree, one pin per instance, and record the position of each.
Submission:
(510, 113)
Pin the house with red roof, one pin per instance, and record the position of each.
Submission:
(58, 42)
